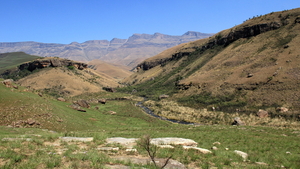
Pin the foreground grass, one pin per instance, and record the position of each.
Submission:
(272, 146)
(276, 147)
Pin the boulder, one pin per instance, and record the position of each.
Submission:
(237, 121)
(30, 121)
(214, 148)
(61, 99)
(163, 96)
(103, 101)
(16, 139)
(216, 143)
(112, 112)
(202, 150)
(250, 75)
(126, 142)
(242, 154)
(109, 89)
(173, 141)
(83, 103)
(81, 139)
(76, 107)
(8, 82)
(282, 109)
(262, 113)
(108, 148)
(55, 63)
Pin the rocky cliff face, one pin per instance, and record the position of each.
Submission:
(122, 51)
(51, 62)
(220, 40)
(46, 62)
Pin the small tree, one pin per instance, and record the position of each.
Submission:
(145, 143)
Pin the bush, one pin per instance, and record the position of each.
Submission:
(71, 67)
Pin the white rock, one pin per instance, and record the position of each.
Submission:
(108, 148)
(126, 142)
(242, 154)
(16, 139)
(173, 141)
(214, 148)
(202, 150)
(165, 146)
(216, 143)
(82, 139)
(261, 163)
(131, 150)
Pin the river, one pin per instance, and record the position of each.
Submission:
(150, 112)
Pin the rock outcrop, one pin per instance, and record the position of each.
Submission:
(8, 82)
(218, 40)
(237, 121)
(51, 62)
(82, 103)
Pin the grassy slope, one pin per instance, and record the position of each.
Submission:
(18, 104)
(62, 81)
(14, 59)
(263, 144)
(213, 76)
(116, 71)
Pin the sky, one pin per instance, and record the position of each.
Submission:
(67, 21)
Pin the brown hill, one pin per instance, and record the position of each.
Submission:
(118, 72)
(62, 77)
(127, 52)
(252, 65)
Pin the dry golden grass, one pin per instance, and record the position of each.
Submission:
(272, 58)
(118, 72)
(71, 82)
(171, 110)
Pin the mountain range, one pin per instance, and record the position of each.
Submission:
(127, 52)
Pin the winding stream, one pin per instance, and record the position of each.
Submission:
(150, 112)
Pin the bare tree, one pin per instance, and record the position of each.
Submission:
(145, 143)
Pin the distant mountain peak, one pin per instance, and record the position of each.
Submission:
(194, 33)
(128, 52)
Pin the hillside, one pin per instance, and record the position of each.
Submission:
(118, 72)
(128, 52)
(14, 59)
(254, 65)
(60, 77)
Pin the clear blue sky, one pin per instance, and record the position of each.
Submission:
(66, 21)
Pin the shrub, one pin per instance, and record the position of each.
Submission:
(71, 67)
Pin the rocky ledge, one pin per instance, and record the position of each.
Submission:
(245, 31)
(51, 62)
(44, 63)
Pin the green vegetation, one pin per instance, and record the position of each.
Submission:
(273, 146)
(166, 83)
(14, 59)
(32, 122)
(226, 103)
(16, 75)
(71, 67)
